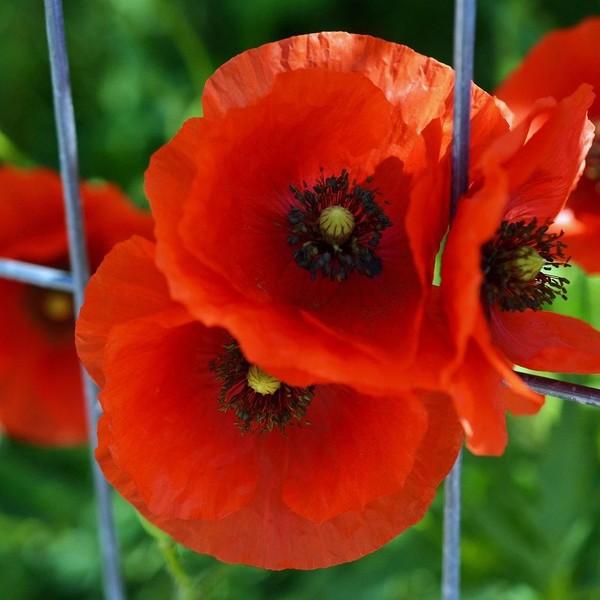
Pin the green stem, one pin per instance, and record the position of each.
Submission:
(185, 588)
(167, 547)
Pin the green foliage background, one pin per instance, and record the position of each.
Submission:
(531, 526)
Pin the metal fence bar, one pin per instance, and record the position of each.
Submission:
(463, 54)
(39, 275)
(67, 143)
(451, 544)
(562, 389)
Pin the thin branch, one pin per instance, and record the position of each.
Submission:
(67, 144)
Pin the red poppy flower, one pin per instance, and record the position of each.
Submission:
(556, 66)
(40, 382)
(499, 271)
(234, 462)
(304, 211)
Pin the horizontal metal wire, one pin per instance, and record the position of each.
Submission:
(46, 277)
(581, 394)
(57, 279)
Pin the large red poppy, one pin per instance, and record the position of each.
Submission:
(556, 66)
(304, 211)
(328, 476)
(496, 275)
(40, 381)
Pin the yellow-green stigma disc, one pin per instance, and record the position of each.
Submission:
(336, 224)
(261, 382)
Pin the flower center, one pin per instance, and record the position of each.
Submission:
(261, 382)
(515, 266)
(57, 306)
(336, 228)
(592, 161)
(51, 310)
(336, 224)
(260, 401)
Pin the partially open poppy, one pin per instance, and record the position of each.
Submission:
(503, 264)
(40, 381)
(556, 66)
(234, 462)
(304, 211)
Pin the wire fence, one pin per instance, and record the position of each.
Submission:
(80, 273)
(74, 281)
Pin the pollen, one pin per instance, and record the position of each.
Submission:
(336, 224)
(261, 382)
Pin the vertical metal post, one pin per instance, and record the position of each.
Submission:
(464, 44)
(464, 49)
(451, 549)
(67, 143)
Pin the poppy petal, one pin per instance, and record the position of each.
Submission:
(545, 341)
(110, 217)
(477, 396)
(353, 434)
(521, 177)
(209, 276)
(220, 191)
(548, 166)
(32, 229)
(582, 246)
(270, 535)
(126, 286)
(41, 400)
(556, 66)
(485, 386)
(39, 374)
(476, 222)
(169, 449)
(186, 456)
(419, 86)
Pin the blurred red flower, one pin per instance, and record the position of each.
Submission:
(556, 66)
(234, 462)
(304, 211)
(40, 382)
(499, 270)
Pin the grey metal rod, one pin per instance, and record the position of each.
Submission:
(451, 546)
(562, 389)
(463, 55)
(67, 144)
(46, 277)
